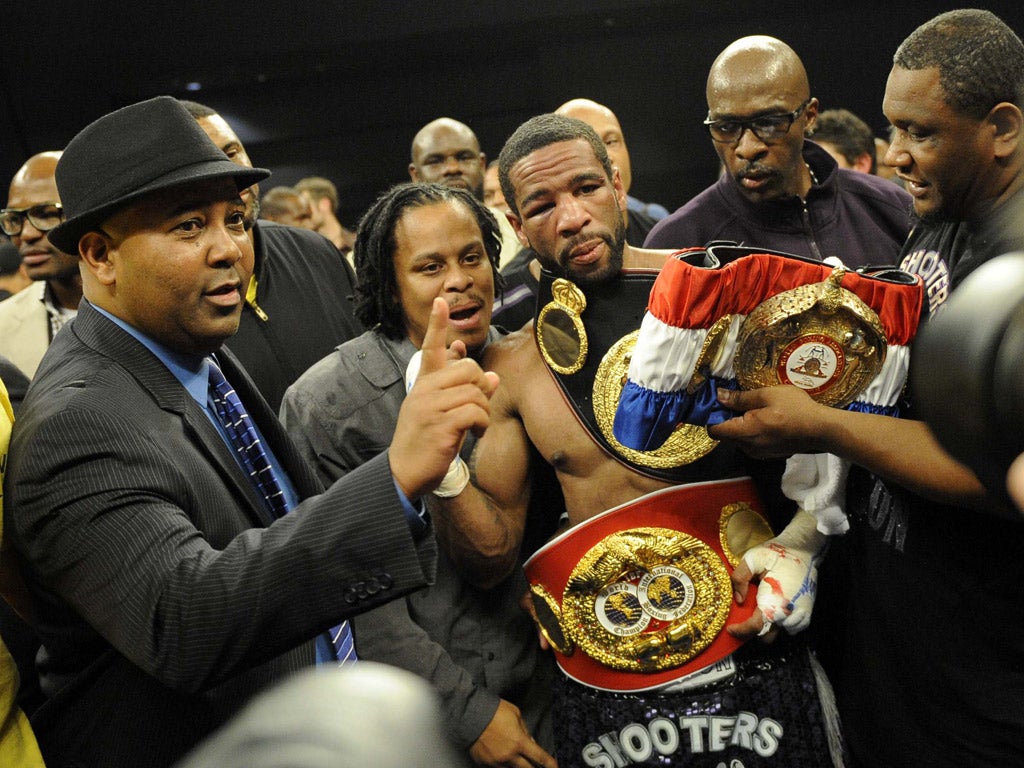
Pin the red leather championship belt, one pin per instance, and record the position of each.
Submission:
(639, 596)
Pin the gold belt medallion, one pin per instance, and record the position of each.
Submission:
(686, 444)
(559, 329)
(645, 599)
(819, 337)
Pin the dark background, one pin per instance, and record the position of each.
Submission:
(338, 88)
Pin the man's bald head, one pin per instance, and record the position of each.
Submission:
(443, 126)
(758, 64)
(35, 184)
(607, 126)
(445, 151)
(579, 108)
(36, 179)
(755, 78)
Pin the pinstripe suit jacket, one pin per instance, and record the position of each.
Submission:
(164, 596)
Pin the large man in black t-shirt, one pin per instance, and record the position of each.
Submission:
(929, 634)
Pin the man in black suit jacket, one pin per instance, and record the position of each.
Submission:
(165, 593)
(299, 306)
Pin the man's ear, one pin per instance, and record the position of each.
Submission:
(811, 113)
(620, 191)
(1008, 122)
(413, 174)
(517, 226)
(95, 249)
(863, 162)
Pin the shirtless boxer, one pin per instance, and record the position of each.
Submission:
(566, 201)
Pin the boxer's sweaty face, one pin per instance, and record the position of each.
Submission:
(570, 212)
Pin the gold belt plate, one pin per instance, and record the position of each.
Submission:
(646, 599)
(820, 337)
(686, 444)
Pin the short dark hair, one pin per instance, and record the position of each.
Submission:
(847, 132)
(539, 132)
(319, 187)
(275, 202)
(979, 58)
(376, 286)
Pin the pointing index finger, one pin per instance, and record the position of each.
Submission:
(434, 347)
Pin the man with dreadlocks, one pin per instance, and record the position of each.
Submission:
(418, 242)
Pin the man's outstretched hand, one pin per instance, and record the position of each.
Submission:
(506, 742)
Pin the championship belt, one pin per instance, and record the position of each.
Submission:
(739, 317)
(586, 337)
(638, 596)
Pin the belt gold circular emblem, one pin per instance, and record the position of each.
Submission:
(819, 337)
(686, 444)
(646, 599)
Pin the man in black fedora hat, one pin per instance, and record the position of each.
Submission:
(169, 583)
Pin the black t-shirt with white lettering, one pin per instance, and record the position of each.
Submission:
(920, 617)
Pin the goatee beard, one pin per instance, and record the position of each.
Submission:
(616, 243)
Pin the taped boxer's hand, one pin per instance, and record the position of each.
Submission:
(787, 568)
(446, 400)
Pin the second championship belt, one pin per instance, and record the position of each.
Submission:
(749, 318)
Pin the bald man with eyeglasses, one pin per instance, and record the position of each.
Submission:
(779, 190)
(30, 319)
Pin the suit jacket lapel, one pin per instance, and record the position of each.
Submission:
(105, 337)
(201, 430)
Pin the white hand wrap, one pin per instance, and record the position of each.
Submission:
(788, 569)
(455, 479)
(457, 476)
(817, 483)
(412, 370)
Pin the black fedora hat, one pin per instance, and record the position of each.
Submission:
(132, 152)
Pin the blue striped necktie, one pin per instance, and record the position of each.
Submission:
(243, 437)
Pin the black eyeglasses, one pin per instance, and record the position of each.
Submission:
(43, 217)
(767, 128)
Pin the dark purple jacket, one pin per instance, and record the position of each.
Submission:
(861, 219)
